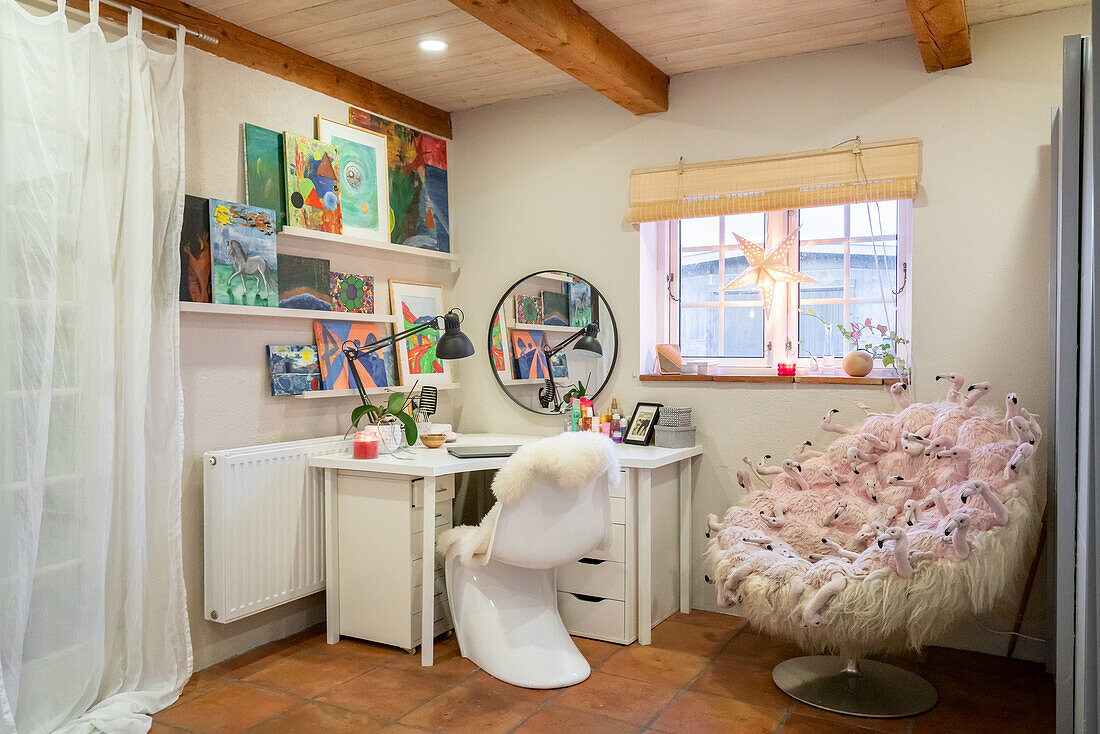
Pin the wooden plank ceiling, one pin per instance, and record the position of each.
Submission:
(377, 39)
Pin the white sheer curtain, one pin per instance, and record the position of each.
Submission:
(93, 629)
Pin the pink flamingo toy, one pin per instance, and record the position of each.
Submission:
(956, 528)
(898, 391)
(794, 470)
(978, 487)
(954, 385)
(744, 479)
(804, 451)
(974, 393)
(828, 425)
(1021, 456)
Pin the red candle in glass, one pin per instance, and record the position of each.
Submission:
(365, 446)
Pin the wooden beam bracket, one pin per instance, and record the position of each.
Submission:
(943, 35)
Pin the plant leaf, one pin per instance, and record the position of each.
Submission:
(358, 413)
(395, 404)
(410, 427)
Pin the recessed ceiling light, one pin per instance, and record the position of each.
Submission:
(433, 44)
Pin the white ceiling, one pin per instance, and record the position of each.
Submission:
(377, 38)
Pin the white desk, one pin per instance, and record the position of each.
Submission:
(433, 463)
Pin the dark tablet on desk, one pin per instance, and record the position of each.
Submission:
(481, 452)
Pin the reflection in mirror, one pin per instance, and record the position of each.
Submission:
(552, 338)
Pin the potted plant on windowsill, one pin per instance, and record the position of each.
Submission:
(861, 360)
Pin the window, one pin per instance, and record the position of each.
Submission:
(858, 254)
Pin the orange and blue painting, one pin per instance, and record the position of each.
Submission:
(527, 354)
(375, 369)
(312, 186)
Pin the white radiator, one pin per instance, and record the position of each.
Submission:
(263, 526)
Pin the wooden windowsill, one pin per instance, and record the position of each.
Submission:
(807, 379)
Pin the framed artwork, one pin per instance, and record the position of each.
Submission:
(580, 304)
(418, 303)
(364, 179)
(417, 171)
(303, 283)
(351, 293)
(265, 171)
(528, 309)
(527, 355)
(641, 424)
(242, 249)
(195, 250)
(559, 366)
(376, 369)
(555, 308)
(293, 369)
(312, 184)
(499, 347)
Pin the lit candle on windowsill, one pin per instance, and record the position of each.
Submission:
(365, 445)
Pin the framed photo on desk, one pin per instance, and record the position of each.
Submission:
(641, 424)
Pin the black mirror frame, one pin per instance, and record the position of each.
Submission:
(597, 293)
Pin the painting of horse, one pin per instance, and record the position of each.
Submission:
(242, 244)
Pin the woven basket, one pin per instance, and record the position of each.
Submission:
(674, 417)
(673, 438)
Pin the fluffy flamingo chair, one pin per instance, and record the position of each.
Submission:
(880, 544)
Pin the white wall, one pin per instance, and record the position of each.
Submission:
(226, 398)
(543, 184)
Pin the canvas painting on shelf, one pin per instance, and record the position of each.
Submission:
(580, 304)
(303, 283)
(195, 251)
(375, 369)
(265, 170)
(418, 303)
(417, 173)
(555, 308)
(312, 184)
(501, 352)
(559, 366)
(351, 293)
(528, 309)
(530, 362)
(242, 246)
(294, 369)
(364, 189)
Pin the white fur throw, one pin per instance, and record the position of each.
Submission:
(903, 527)
(570, 460)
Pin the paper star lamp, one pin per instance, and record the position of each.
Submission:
(767, 269)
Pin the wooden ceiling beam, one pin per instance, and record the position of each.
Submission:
(242, 46)
(575, 42)
(943, 35)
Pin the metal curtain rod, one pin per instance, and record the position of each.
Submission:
(201, 35)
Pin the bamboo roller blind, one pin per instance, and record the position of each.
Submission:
(877, 172)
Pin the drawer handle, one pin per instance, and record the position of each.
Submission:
(591, 561)
(586, 597)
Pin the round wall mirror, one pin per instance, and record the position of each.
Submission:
(552, 337)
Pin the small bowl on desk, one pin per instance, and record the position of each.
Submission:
(433, 440)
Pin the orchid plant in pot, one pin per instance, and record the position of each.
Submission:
(391, 421)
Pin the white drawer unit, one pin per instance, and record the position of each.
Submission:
(380, 527)
(598, 595)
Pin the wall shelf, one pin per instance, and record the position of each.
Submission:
(320, 394)
(224, 309)
(530, 381)
(545, 327)
(291, 235)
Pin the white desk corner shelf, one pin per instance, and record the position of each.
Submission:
(616, 595)
(307, 240)
(321, 394)
(223, 309)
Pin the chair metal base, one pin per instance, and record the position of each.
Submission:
(864, 688)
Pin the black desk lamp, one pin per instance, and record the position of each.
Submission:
(453, 344)
(586, 340)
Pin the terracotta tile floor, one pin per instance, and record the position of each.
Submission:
(703, 673)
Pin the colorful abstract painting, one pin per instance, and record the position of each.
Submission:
(559, 366)
(375, 369)
(530, 362)
(555, 308)
(351, 293)
(242, 246)
(528, 309)
(312, 184)
(364, 187)
(294, 370)
(580, 304)
(413, 304)
(303, 283)
(195, 250)
(265, 170)
(418, 198)
(499, 351)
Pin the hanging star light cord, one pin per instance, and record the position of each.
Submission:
(766, 268)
